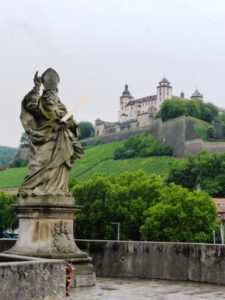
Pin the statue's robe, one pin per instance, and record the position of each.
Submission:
(52, 151)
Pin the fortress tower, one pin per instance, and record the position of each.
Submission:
(124, 99)
(164, 91)
(197, 95)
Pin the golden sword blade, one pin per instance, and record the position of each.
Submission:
(78, 104)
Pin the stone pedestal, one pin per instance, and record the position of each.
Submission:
(46, 230)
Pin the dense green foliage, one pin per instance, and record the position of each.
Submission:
(86, 129)
(137, 200)
(201, 131)
(176, 107)
(8, 217)
(106, 199)
(206, 171)
(20, 163)
(142, 146)
(180, 216)
(6, 155)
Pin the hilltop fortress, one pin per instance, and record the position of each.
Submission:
(140, 112)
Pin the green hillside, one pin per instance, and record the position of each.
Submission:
(97, 159)
(6, 155)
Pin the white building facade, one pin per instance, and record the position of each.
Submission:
(139, 112)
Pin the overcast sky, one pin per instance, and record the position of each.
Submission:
(98, 46)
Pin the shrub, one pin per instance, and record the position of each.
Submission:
(8, 217)
(210, 132)
(142, 146)
(201, 131)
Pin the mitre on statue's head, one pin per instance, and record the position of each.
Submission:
(50, 79)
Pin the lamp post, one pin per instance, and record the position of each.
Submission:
(222, 231)
(118, 229)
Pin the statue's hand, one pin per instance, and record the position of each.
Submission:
(62, 125)
(37, 80)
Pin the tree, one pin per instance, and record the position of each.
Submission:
(176, 107)
(180, 216)
(86, 129)
(105, 199)
(144, 207)
(204, 169)
(20, 163)
(24, 140)
(8, 217)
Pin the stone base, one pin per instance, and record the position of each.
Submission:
(84, 274)
(46, 231)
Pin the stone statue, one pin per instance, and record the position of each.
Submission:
(46, 210)
(54, 145)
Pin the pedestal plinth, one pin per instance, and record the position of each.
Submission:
(46, 230)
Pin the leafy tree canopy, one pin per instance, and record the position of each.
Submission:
(105, 199)
(86, 129)
(204, 170)
(144, 207)
(176, 107)
(180, 216)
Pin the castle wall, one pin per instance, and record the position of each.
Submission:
(99, 129)
(144, 120)
(176, 132)
(197, 145)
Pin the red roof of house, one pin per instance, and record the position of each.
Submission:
(220, 203)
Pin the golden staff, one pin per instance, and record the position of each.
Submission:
(79, 103)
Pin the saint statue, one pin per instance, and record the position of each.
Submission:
(54, 145)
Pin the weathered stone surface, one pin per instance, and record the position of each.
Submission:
(143, 289)
(84, 274)
(158, 260)
(154, 260)
(24, 278)
(197, 145)
(46, 231)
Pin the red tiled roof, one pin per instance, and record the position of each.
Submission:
(219, 201)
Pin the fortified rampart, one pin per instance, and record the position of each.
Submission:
(154, 260)
(179, 133)
(195, 146)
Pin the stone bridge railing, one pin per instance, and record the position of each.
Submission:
(154, 260)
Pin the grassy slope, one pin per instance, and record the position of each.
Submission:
(97, 159)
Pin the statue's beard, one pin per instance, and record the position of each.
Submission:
(51, 95)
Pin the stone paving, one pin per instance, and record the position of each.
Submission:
(138, 289)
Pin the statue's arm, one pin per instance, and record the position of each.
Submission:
(31, 100)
